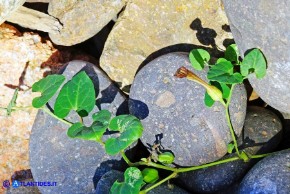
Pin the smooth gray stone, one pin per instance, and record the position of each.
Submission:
(262, 134)
(108, 179)
(269, 176)
(265, 24)
(174, 108)
(76, 165)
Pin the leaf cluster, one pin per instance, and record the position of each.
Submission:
(78, 94)
(134, 180)
(228, 70)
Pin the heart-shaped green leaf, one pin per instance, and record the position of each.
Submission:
(232, 53)
(208, 101)
(78, 130)
(95, 131)
(77, 94)
(254, 61)
(103, 116)
(198, 57)
(221, 60)
(130, 129)
(225, 89)
(223, 72)
(150, 175)
(48, 87)
(131, 185)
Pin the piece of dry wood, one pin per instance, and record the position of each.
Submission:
(33, 19)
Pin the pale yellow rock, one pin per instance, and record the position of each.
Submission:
(82, 19)
(148, 26)
(7, 7)
(21, 56)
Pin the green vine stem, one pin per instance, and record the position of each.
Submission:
(173, 175)
(229, 120)
(44, 109)
(18, 108)
(54, 116)
(177, 170)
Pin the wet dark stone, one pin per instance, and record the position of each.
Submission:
(262, 131)
(108, 179)
(265, 25)
(76, 165)
(270, 175)
(173, 110)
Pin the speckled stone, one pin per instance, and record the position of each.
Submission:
(73, 163)
(175, 108)
(265, 24)
(108, 179)
(270, 175)
(262, 131)
(82, 19)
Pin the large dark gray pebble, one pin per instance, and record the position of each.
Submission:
(173, 109)
(108, 179)
(262, 131)
(76, 165)
(265, 24)
(269, 176)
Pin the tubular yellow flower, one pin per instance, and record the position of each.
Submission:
(212, 91)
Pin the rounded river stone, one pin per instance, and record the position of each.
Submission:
(261, 134)
(269, 176)
(108, 179)
(265, 24)
(173, 110)
(73, 163)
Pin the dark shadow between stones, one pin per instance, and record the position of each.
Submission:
(106, 167)
(138, 108)
(108, 95)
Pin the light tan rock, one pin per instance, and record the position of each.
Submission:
(14, 12)
(24, 59)
(82, 19)
(35, 20)
(7, 8)
(147, 26)
(20, 59)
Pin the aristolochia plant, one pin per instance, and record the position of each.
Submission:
(223, 76)
(78, 95)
